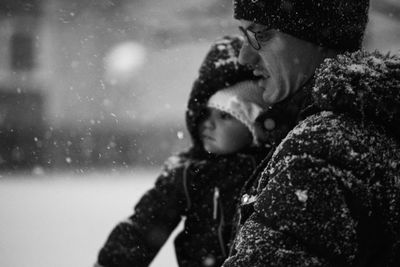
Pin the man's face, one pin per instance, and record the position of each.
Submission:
(223, 134)
(284, 63)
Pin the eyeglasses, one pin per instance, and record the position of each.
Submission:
(251, 37)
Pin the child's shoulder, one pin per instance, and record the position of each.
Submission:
(175, 161)
(180, 160)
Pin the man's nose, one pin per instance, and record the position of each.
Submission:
(248, 56)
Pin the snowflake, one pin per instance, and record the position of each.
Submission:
(357, 68)
(301, 195)
(223, 62)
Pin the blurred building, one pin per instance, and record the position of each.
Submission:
(21, 91)
(88, 83)
(99, 83)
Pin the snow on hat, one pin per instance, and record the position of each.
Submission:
(220, 69)
(337, 24)
(244, 102)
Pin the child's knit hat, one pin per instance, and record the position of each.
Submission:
(219, 70)
(245, 103)
(337, 24)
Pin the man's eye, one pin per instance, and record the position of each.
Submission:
(264, 36)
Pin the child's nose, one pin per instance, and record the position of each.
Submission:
(208, 124)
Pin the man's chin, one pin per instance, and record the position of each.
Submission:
(270, 94)
(263, 83)
(272, 98)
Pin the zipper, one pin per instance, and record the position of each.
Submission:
(217, 204)
(185, 187)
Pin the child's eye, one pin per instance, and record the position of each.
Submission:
(225, 116)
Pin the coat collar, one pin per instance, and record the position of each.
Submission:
(279, 119)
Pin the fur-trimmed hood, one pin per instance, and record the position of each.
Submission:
(220, 69)
(364, 85)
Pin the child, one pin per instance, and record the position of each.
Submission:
(203, 184)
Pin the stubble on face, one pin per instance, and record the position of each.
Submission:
(284, 63)
(265, 64)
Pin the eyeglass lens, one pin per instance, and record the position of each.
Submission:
(251, 38)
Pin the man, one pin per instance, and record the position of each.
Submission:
(329, 195)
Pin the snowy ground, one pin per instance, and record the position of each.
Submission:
(62, 220)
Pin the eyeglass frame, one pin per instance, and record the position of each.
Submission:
(251, 39)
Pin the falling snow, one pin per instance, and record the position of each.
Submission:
(301, 195)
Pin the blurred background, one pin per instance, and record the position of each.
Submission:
(100, 83)
(87, 84)
(92, 101)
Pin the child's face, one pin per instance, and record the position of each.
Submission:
(223, 134)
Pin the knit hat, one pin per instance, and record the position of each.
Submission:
(219, 70)
(244, 102)
(337, 24)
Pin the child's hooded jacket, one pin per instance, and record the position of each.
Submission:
(204, 189)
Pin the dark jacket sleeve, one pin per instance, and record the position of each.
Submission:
(300, 219)
(136, 241)
(301, 215)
